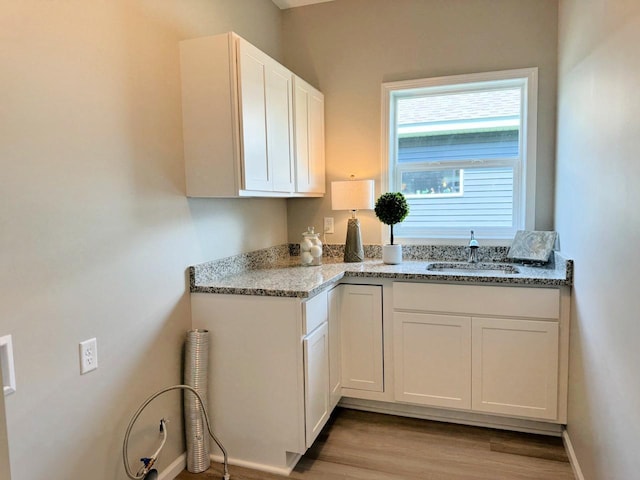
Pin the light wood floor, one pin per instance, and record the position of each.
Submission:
(368, 446)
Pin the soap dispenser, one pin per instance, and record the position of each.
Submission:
(310, 248)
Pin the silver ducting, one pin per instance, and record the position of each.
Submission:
(195, 375)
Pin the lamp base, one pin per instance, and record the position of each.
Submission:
(353, 251)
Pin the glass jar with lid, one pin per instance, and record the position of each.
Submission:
(310, 248)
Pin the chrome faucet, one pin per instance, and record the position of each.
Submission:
(473, 249)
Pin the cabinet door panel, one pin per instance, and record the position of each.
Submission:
(361, 318)
(432, 359)
(309, 138)
(316, 143)
(253, 115)
(316, 381)
(515, 367)
(335, 341)
(280, 127)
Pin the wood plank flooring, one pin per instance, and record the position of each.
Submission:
(368, 446)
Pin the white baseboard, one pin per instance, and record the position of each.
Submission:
(286, 471)
(174, 469)
(180, 464)
(577, 471)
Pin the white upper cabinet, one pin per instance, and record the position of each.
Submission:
(309, 138)
(238, 121)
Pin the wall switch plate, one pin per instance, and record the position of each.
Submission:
(328, 225)
(6, 363)
(88, 355)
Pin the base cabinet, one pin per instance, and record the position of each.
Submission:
(335, 347)
(316, 382)
(269, 364)
(361, 328)
(280, 365)
(450, 351)
(433, 359)
(515, 367)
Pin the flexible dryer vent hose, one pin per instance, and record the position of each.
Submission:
(125, 444)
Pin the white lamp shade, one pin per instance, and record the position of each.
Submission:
(352, 195)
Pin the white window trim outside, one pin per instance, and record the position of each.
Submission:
(524, 198)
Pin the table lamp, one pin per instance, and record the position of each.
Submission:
(352, 195)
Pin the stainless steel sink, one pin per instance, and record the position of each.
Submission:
(478, 268)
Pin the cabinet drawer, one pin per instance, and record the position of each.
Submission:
(477, 299)
(314, 313)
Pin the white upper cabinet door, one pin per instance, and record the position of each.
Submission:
(515, 367)
(253, 114)
(432, 358)
(309, 138)
(266, 115)
(280, 127)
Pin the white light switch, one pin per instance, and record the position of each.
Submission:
(6, 362)
(88, 355)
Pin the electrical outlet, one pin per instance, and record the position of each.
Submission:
(88, 356)
(328, 225)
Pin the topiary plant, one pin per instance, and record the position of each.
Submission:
(391, 208)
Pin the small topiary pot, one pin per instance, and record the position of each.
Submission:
(391, 208)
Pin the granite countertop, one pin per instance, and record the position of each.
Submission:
(282, 275)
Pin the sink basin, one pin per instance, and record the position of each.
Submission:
(460, 267)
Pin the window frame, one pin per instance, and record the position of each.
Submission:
(524, 169)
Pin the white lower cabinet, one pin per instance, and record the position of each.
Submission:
(269, 389)
(515, 367)
(454, 350)
(335, 347)
(316, 381)
(278, 366)
(361, 328)
(433, 359)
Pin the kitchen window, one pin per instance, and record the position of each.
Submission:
(462, 150)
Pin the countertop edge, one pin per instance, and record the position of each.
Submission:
(353, 272)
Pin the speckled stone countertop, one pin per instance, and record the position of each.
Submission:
(274, 272)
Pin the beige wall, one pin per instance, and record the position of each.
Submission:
(598, 173)
(348, 48)
(95, 230)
